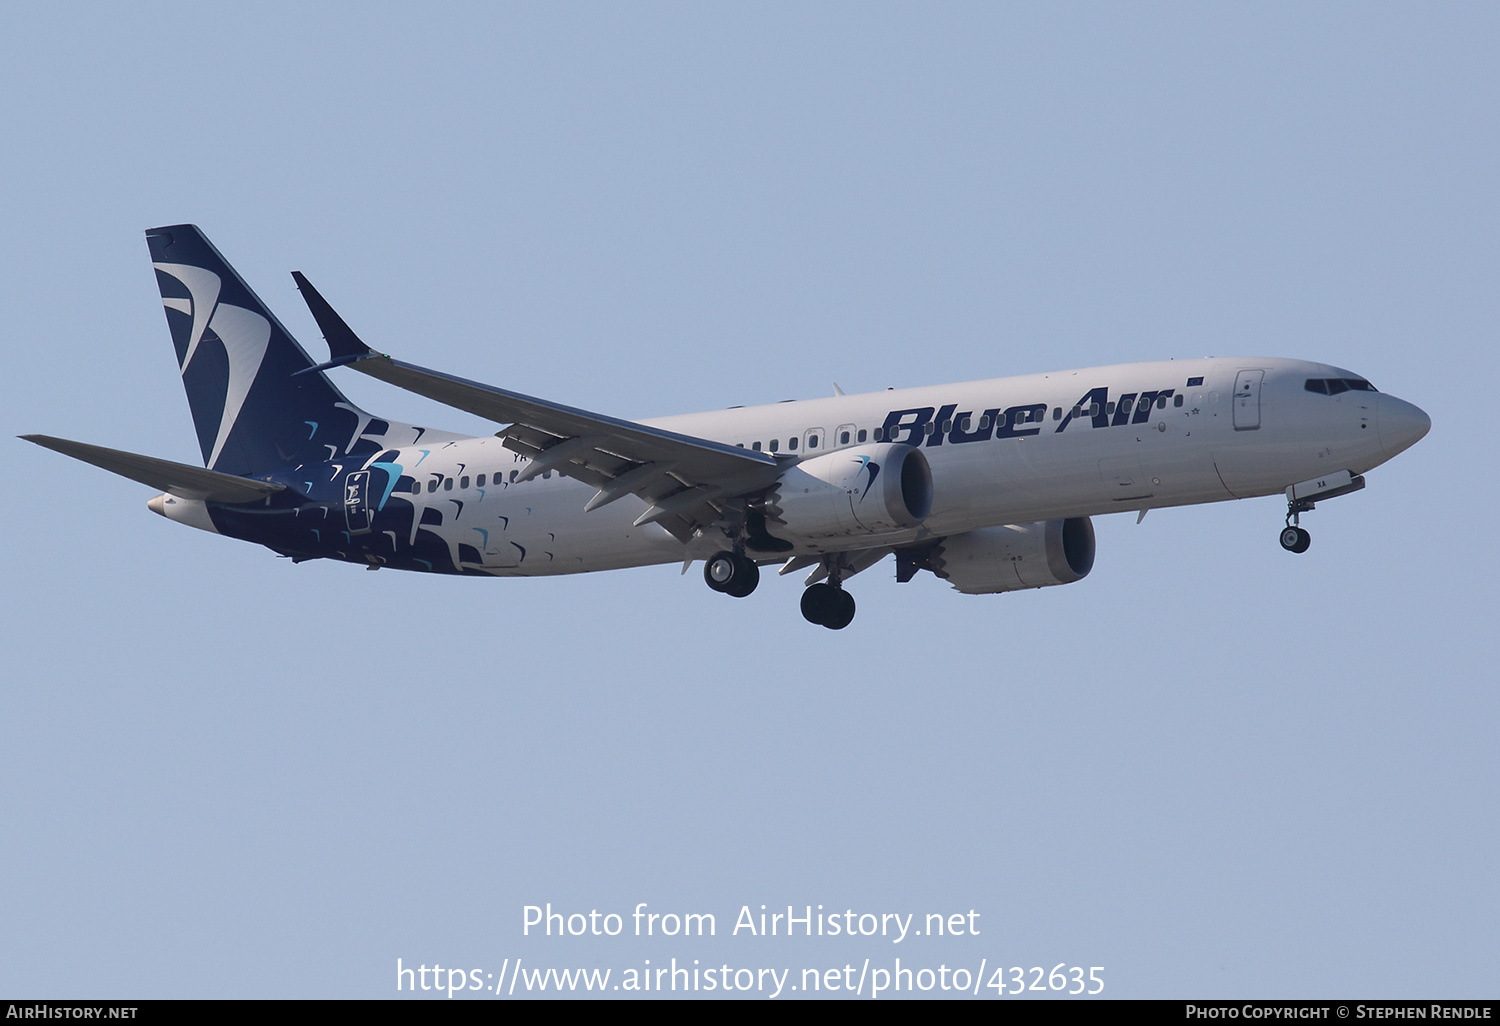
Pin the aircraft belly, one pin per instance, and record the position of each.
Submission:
(539, 534)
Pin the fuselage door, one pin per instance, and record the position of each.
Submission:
(357, 502)
(1247, 399)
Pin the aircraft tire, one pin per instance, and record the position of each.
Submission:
(720, 571)
(1291, 537)
(828, 606)
(1304, 541)
(817, 603)
(746, 577)
(842, 613)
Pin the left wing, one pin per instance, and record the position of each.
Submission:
(687, 482)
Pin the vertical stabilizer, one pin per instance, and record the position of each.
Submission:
(237, 363)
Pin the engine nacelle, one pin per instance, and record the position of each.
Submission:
(865, 489)
(1015, 556)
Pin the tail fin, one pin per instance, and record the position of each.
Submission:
(238, 363)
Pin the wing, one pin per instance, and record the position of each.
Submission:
(687, 482)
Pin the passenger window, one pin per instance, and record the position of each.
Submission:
(1056, 414)
(1161, 402)
(1093, 409)
(513, 474)
(861, 434)
(479, 481)
(812, 441)
(1109, 409)
(1177, 400)
(432, 485)
(447, 484)
(878, 435)
(463, 482)
(755, 446)
(984, 423)
(775, 444)
(546, 475)
(844, 438)
(791, 444)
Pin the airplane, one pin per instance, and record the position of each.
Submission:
(989, 485)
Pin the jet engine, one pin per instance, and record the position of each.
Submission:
(862, 490)
(1015, 556)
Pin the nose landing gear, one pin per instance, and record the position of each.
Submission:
(1293, 537)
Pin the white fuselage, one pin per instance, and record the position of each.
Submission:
(1001, 451)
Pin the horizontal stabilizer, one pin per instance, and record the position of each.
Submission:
(179, 479)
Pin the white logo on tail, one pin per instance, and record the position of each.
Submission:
(245, 335)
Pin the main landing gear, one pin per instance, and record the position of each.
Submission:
(828, 605)
(1293, 537)
(731, 573)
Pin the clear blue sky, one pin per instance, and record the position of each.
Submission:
(1212, 768)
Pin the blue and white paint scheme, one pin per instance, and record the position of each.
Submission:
(987, 484)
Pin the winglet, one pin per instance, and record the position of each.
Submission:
(344, 346)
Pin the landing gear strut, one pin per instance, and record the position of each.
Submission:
(731, 573)
(1293, 537)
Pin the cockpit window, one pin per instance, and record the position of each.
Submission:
(1333, 386)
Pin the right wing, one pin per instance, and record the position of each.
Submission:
(687, 482)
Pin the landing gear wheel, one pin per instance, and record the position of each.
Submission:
(1295, 539)
(745, 579)
(843, 612)
(827, 606)
(718, 572)
(731, 574)
(817, 603)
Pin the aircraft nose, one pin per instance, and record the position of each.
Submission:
(1400, 423)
